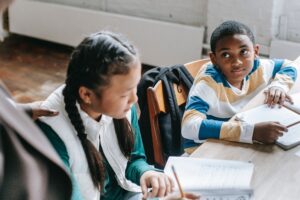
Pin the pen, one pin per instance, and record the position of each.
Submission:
(177, 180)
(290, 125)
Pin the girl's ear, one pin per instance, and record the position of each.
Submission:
(256, 50)
(212, 58)
(85, 95)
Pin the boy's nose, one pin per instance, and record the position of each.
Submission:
(236, 62)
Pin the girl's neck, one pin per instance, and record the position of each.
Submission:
(96, 116)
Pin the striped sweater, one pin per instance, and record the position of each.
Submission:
(213, 101)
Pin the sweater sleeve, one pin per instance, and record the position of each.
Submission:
(284, 74)
(137, 164)
(61, 150)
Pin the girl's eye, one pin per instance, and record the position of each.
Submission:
(225, 55)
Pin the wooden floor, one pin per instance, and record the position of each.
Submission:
(30, 68)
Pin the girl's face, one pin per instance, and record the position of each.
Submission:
(116, 98)
(234, 56)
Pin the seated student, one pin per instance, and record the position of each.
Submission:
(224, 86)
(96, 132)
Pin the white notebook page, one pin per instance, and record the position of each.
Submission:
(283, 115)
(201, 174)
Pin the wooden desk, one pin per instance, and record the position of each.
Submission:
(276, 172)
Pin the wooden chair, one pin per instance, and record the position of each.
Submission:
(157, 105)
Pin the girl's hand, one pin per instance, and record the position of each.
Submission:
(177, 196)
(268, 132)
(160, 183)
(276, 95)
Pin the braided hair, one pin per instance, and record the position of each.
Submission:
(93, 62)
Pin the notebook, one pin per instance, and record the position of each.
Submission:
(288, 115)
(212, 178)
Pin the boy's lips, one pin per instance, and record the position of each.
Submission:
(238, 72)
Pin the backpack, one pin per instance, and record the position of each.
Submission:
(169, 123)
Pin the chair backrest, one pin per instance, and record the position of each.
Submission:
(157, 104)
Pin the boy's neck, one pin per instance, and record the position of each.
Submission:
(238, 85)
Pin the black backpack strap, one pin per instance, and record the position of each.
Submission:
(184, 76)
(174, 114)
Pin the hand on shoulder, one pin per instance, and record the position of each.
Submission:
(35, 111)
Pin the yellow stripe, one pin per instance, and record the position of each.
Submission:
(188, 114)
(231, 131)
(256, 79)
(226, 94)
(190, 150)
(201, 72)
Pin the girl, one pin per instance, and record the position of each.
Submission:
(96, 132)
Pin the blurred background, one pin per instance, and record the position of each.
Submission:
(37, 36)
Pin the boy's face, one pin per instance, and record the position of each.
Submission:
(234, 56)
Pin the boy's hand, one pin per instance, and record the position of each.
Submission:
(268, 132)
(160, 183)
(276, 95)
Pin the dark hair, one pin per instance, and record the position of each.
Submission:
(229, 28)
(93, 62)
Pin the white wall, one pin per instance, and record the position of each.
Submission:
(292, 11)
(269, 19)
(258, 16)
(189, 12)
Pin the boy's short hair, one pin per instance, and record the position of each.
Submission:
(229, 28)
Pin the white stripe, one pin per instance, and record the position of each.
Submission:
(190, 129)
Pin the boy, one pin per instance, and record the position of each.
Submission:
(224, 86)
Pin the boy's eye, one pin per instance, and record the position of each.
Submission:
(244, 52)
(225, 55)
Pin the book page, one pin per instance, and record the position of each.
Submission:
(283, 115)
(290, 137)
(296, 105)
(205, 174)
(264, 113)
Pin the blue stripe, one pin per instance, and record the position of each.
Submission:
(209, 129)
(189, 143)
(196, 103)
(217, 118)
(289, 71)
(216, 75)
(277, 65)
(256, 64)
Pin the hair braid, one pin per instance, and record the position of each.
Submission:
(94, 157)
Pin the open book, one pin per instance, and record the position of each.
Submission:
(212, 178)
(288, 115)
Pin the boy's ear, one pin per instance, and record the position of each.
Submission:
(85, 94)
(212, 58)
(256, 50)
